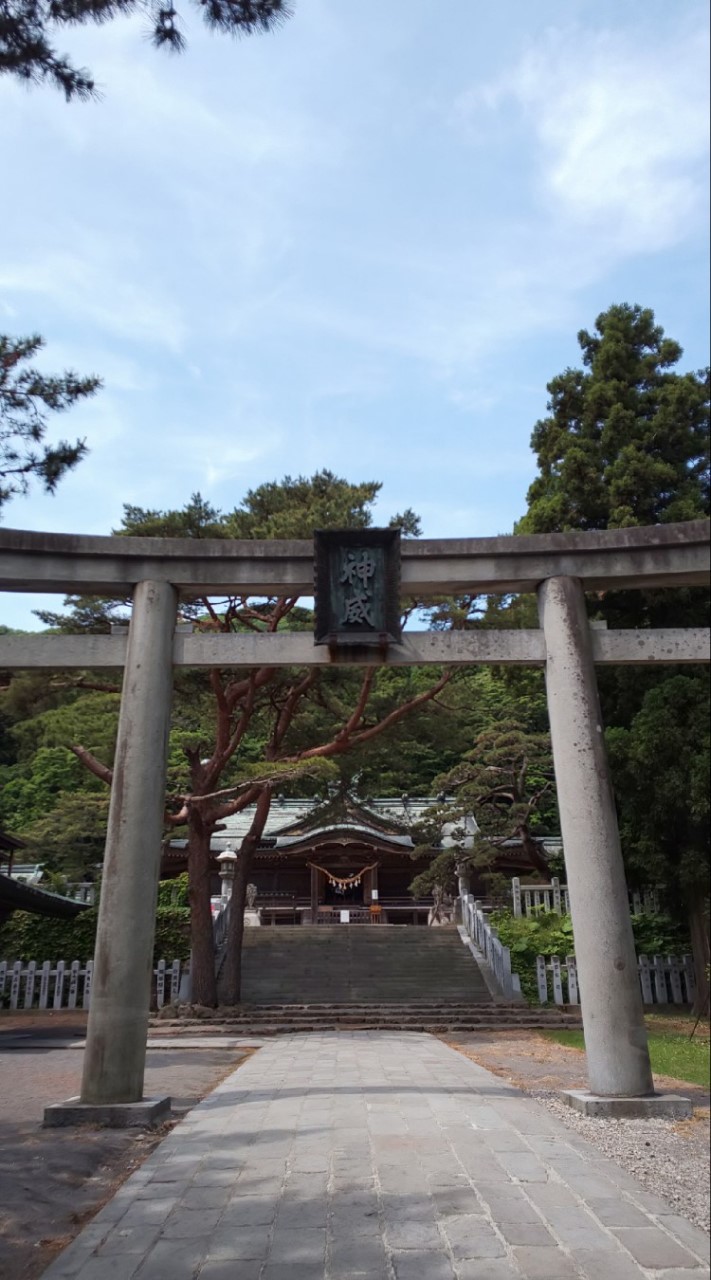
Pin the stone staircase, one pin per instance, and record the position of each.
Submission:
(363, 977)
(358, 964)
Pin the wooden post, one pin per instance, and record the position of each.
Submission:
(542, 979)
(314, 895)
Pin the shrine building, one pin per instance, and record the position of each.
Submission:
(345, 860)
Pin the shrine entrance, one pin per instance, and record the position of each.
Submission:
(368, 577)
(345, 889)
(341, 880)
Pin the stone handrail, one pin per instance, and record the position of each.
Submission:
(486, 940)
(219, 926)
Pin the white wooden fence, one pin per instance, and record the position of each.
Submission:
(68, 986)
(486, 939)
(663, 979)
(530, 898)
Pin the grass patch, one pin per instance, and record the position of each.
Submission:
(671, 1055)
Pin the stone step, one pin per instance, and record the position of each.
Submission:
(266, 1027)
(358, 965)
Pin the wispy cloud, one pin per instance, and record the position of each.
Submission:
(93, 283)
(620, 129)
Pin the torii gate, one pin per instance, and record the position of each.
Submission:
(158, 572)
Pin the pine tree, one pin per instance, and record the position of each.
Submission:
(29, 27)
(26, 398)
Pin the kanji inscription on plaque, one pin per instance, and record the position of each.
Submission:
(357, 586)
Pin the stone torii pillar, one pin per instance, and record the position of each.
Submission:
(114, 1060)
(613, 1014)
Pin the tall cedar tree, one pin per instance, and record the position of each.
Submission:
(220, 781)
(28, 29)
(626, 443)
(26, 398)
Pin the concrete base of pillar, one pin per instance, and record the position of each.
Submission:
(667, 1105)
(115, 1115)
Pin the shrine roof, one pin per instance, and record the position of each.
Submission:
(292, 822)
(386, 821)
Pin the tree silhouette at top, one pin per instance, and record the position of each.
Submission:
(28, 29)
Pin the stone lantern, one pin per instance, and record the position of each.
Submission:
(227, 862)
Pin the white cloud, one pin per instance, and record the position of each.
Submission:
(620, 131)
(93, 284)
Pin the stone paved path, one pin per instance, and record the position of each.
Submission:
(381, 1156)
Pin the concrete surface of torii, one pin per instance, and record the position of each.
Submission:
(560, 568)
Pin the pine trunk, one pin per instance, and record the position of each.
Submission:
(232, 969)
(533, 851)
(698, 909)
(202, 957)
(231, 983)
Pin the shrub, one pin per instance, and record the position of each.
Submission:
(30, 937)
(174, 893)
(548, 934)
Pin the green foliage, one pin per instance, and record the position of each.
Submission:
(288, 508)
(30, 937)
(88, 616)
(30, 789)
(71, 837)
(88, 718)
(661, 765)
(626, 441)
(172, 940)
(547, 934)
(544, 934)
(505, 781)
(441, 871)
(27, 397)
(28, 27)
(174, 893)
(46, 795)
(658, 935)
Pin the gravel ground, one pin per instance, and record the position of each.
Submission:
(667, 1157)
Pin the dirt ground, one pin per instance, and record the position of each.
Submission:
(536, 1064)
(52, 1181)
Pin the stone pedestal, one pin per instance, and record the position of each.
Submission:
(122, 1115)
(253, 918)
(667, 1106)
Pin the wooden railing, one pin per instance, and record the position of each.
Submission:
(67, 985)
(527, 899)
(663, 979)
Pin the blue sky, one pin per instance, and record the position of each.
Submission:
(364, 242)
